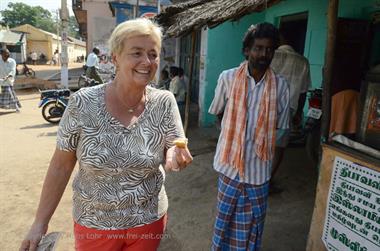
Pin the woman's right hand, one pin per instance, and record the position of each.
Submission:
(35, 234)
(178, 156)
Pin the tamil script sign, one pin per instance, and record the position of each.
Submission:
(353, 208)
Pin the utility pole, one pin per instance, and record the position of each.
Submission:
(137, 8)
(64, 54)
(158, 7)
(58, 23)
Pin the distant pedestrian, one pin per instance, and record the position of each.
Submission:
(178, 88)
(56, 57)
(34, 57)
(164, 80)
(184, 78)
(295, 68)
(92, 65)
(8, 98)
(177, 85)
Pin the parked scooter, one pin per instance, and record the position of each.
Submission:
(54, 103)
(309, 134)
(312, 127)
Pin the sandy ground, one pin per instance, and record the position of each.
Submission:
(27, 143)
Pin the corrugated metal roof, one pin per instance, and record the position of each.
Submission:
(9, 37)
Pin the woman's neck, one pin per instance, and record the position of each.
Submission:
(128, 95)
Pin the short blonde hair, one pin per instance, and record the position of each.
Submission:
(133, 28)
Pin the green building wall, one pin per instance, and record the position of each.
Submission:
(224, 42)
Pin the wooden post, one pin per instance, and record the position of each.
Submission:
(188, 91)
(332, 17)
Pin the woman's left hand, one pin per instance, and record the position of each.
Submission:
(177, 158)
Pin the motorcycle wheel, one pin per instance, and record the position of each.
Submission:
(82, 82)
(313, 144)
(52, 112)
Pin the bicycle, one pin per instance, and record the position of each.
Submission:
(28, 72)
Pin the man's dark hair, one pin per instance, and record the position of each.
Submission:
(181, 71)
(260, 30)
(96, 50)
(5, 51)
(174, 71)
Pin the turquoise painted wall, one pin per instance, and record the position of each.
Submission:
(224, 41)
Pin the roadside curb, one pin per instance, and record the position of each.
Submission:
(35, 83)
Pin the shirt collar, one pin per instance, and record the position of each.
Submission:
(252, 80)
(285, 47)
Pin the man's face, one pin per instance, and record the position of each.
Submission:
(260, 54)
(5, 56)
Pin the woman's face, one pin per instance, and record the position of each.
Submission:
(138, 61)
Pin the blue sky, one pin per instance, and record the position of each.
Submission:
(51, 5)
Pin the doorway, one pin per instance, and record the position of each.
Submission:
(295, 27)
(185, 60)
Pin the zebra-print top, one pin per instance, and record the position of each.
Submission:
(120, 181)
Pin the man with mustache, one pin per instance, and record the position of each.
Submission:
(254, 102)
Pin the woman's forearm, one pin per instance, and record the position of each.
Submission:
(57, 177)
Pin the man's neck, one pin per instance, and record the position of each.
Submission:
(257, 74)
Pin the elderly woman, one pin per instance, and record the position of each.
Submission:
(120, 133)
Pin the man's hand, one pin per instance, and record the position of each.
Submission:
(297, 120)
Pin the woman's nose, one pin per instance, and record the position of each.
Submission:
(146, 59)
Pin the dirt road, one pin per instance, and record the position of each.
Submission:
(27, 143)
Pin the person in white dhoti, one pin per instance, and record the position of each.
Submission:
(8, 98)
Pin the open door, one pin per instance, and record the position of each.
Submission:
(295, 27)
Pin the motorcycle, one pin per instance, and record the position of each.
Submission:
(312, 127)
(54, 103)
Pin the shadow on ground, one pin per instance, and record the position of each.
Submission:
(192, 200)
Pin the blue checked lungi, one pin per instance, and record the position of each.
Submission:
(8, 98)
(240, 215)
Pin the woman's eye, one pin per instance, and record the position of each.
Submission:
(153, 55)
(136, 54)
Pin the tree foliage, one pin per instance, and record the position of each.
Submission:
(18, 14)
(73, 27)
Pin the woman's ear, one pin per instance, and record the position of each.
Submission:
(114, 61)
